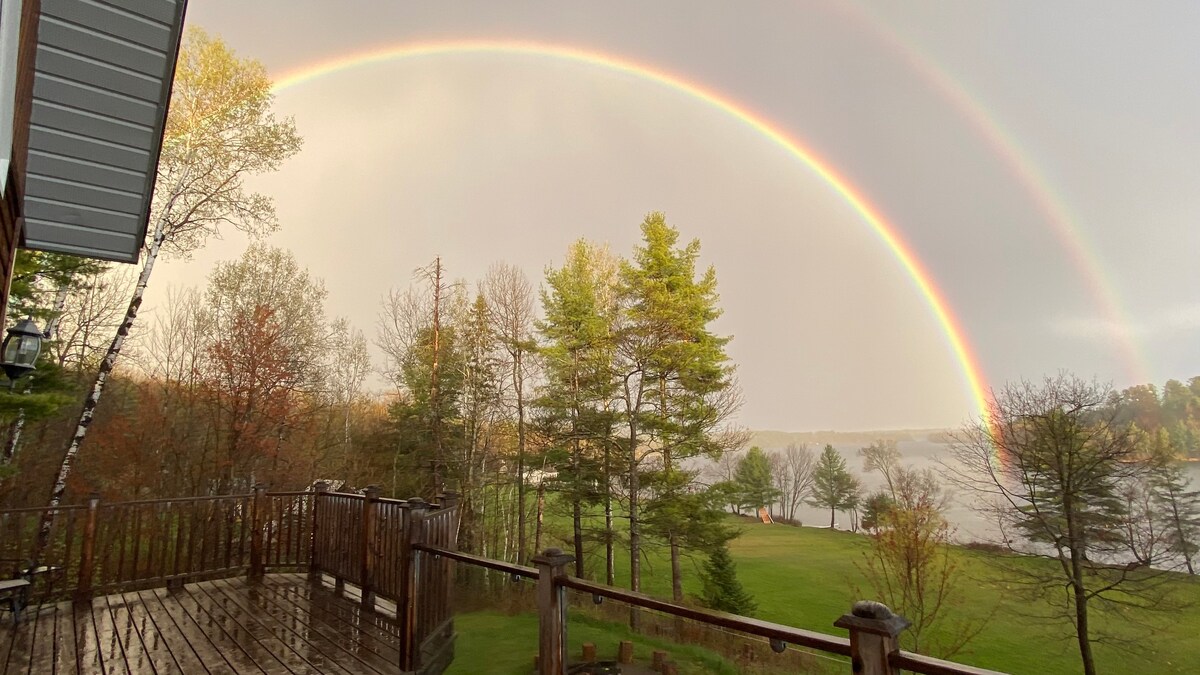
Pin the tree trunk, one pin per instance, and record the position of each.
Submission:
(518, 387)
(676, 570)
(635, 536)
(93, 397)
(1184, 544)
(576, 451)
(1078, 587)
(541, 510)
(831, 513)
(1081, 626)
(610, 562)
(577, 524)
(434, 393)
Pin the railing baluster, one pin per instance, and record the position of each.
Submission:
(256, 535)
(370, 502)
(83, 590)
(316, 549)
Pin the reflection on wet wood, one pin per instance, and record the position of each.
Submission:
(285, 624)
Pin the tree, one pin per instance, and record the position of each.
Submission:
(794, 477)
(1178, 505)
(1049, 465)
(420, 332)
(577, 351)
(220, 130)
(510, 303)
(722, 590)
(482, 382)
(875, 509)
(833, 486)
(677, 389)
(882, 456)
(269, 347)
(754, 480)
(910, 567)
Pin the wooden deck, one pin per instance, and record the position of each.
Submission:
(285, 624)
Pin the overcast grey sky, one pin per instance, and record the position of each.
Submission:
(486, 157)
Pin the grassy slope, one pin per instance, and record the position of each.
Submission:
(805, 577)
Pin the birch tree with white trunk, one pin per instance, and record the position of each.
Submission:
(220, 129)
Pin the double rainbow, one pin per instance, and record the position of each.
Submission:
(887, 232)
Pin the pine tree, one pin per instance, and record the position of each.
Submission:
(1179, 506)
(677, 388)
(722, 590)
(833, 486)
(754, 480)
(577, 353)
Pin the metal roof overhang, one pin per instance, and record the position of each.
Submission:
(102, 84)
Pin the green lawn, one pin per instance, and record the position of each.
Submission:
(804, 577)
(491, 642)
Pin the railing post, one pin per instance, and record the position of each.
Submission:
(552, 611)
(370, 511)
(406, 606)
(873, 632)
(314, 566)
(256, 535)
(87, 550)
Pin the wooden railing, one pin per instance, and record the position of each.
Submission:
(101, 548)
(872, 647)
(357, 539)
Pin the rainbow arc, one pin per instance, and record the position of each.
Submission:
(871, 215)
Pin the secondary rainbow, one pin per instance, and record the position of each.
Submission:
(890, 235)
(1017, 161)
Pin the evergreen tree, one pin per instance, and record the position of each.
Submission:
(756, 487)
(833, 486)
(574, 406)
(875, 510)
(1179, 509)
(722, 590)
(677, 383)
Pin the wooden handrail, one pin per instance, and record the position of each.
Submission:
(927, 665)
(479, 561)
(744, 624)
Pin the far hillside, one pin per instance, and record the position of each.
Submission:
(770, 439)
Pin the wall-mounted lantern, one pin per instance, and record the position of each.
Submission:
(19, 352)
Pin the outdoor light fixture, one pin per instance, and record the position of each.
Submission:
(20, 349)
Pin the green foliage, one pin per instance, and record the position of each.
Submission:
(875, 509)
(1178, 506)
(577, 351)
(1175, 410)
(667, 328)
(722, 590)
(37, 279)
(756, 487)
(833, 486)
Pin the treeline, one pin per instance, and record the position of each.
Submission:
(1171, 413)
(591, 394)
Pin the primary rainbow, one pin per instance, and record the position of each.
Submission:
(887, 232)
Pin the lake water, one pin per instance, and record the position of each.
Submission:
(969, 526)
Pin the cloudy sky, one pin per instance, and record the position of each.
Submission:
(1041, 161)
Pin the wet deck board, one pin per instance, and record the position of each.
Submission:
(282, 625)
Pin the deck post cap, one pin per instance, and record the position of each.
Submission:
(870, 616)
